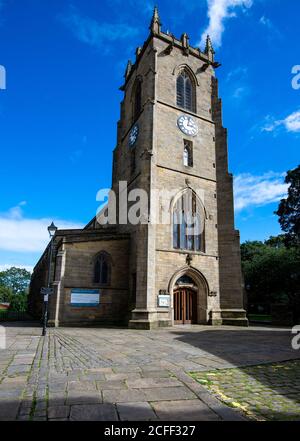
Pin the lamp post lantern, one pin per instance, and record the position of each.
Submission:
(52, 230)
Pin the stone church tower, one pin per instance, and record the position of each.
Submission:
(170, 144)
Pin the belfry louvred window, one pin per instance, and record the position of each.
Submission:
(188, 223)
(185, 92)
(102, 269)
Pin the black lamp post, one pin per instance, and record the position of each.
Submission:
(52, 230)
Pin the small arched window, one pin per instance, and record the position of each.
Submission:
(188, 223)
(186, 157)
(137, 101)
(102, 269)
(188, 154)
(185, 92)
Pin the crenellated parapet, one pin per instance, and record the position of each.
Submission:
(182, 43)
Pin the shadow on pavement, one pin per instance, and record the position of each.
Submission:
(248, 349)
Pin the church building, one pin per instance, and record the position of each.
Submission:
(171, 143)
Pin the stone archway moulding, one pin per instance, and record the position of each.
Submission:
(188, 69)
(196, 275)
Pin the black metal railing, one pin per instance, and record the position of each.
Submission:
(14, 316)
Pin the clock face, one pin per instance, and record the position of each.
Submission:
(133, 135)
(187, 125)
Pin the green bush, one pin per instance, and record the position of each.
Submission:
(6, 294)
(19, 303)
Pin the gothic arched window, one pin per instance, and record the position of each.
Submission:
(185, 91)
(102, 269)
(137, 100)
(188, 223)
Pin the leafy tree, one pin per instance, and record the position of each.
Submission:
(272, 268)
(289, 209)
(250, 249)
(5, 294)
(16, 279)
(276, 241)
(272, 273)
(18, 303)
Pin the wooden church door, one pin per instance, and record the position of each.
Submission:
(185, 307)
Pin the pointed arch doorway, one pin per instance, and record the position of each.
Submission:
(189, 291)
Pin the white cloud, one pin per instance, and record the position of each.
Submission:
(271, 126)
(21, 234)
(240, 92)
(76, 155)
(266, 22)
(238, 86)
(218, 12)
(273, 31)
(254, 191)
(291, 123)
(89, 31)
(240, 72)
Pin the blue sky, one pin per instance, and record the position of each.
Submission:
(64, 64)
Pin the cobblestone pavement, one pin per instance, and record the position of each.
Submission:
(264, 392)
(121, 374)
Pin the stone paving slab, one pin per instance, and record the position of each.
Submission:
(155, 374)
(191, 410)
(145, 383)
(81, 386)
(136, 412)
(169, 393)
(98, 412)
(58, 412)
(81, 397)
(120, 374)
(111, 384)
(124, 396)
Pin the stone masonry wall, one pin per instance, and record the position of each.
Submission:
(79, 273)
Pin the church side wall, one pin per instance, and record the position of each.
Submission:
(79, 274)
(38, 280)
